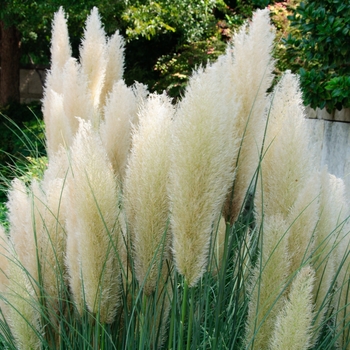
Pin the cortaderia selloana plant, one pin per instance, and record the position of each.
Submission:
(205, 224)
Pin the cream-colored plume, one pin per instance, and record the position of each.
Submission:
(330, 222)
(115, 64)
(287, 162)
(51, 241)
(93, 57)
(58, 132)
(93, 195)
(23, 230)
(145, 190)
(76, 96)
(120, 114)
(268, 283)
(60, 51)
(22, 309)
(250, 73)
(201, 170)
(302, 219)
(293, 328)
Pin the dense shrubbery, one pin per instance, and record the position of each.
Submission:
(320, 48)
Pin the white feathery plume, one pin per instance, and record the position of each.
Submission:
(120, 114)
(287, 161)
(58, 132)
(303, 218)
(57, 168)
(249, 75)
(332, 207)
(201, 170)
(293, 329)
(115, 64)
(22, 228)
(93, 57)
(76, 97)
(22, 307)
(72, 258)
(268, 284)
(60, 51)
(51, 240)
(93, 194)
(145, 190)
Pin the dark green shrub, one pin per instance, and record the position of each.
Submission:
(321, 52)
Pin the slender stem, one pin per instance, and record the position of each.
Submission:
(173, 313)
(190, 321)
(183, 316)
(142, 322)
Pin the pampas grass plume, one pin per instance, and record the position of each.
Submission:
(268, 283)
(120, 114)
(51, 240)
(249, 73)
(76, 97)
(22, 228)
(22, 309)
(94, 206)
(201, 169)
(303, 218)
(58, 132)
(293, 330)
(145, 189)
(332, 210)
(93, 56)
(287, 161)
(60, 50)
(115, 64)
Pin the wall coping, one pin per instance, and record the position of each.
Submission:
(336, 116)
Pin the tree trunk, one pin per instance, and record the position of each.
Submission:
(9, 64)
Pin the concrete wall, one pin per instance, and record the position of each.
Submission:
(332, 139)
(31, 84)
(330, 134)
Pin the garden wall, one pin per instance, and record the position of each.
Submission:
(331, 135)
(31, 84)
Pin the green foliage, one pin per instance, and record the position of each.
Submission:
(321, 51)
(192, 20)
(175, 68)
(22, 143)
(279, 17)
(33, 20)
